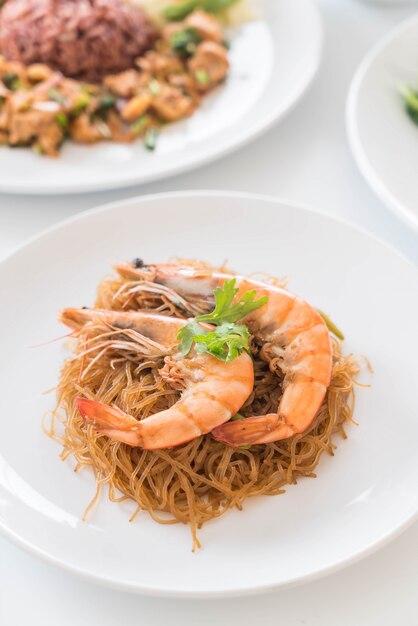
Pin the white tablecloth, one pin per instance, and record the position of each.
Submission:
(305, 159)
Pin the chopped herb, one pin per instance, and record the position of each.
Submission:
(37, 148)
(331, 326)
(151, 139)
(154, 87)
(103, 128)
(81, 103)
(184, 42)
(11, 80)
(179, 10)
(140, 124)
(62, 120)
(225, 310)
(105, 104)
(202, 77)
(228, 339)
(56, 96)
(237, 416)
(2, 100)
(410, 98)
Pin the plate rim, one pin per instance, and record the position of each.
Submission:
(8, 533)
(353, 134)
(257, 130)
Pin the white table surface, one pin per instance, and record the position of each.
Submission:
(305, 159)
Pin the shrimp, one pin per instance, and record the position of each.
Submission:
(214, 391)
(291, 330)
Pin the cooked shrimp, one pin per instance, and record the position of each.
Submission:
(291, 330)
(213, 390)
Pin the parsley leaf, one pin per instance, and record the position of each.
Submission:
(184, 42)
(187, 335)
(227, 339)
(225, 342)
(410, 98)
(225, 310)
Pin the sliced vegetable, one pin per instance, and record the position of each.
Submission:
(11, 80)
(410, 98)
(37, 148)
(331, 326)
(184, 42)
(62, 120)
(202, 77)
(179, 10)
(154, 87)
(56, 96)
(103, 128)
(140, 124)
(105, 104)
(150, 140)
(81, 103)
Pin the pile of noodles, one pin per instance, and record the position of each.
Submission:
(200, 480)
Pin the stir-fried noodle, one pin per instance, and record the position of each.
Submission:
(202, 479)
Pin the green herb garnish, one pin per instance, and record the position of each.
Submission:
(140, 124)
(331, 326)
(150, 140)
(56, 96)
(11, 80)
(37, 148)
(81, 103)
(225, 310)
(179, 10)
(104, 105)
(410, 98)
(63, 121)
(202, 77)
(184, 42)
(228, 339)
(154, 87)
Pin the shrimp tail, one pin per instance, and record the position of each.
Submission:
(246, 431)
(109, 421)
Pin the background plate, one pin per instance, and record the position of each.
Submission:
(383, 139)
(362, 496)
(273, 60)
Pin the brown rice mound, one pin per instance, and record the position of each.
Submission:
(84, 39)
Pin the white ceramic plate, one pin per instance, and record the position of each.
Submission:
(383, 139)
(273, 60)
(363, 496)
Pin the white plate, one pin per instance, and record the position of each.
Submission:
(273, 60)
(363, 496)
(383, 139)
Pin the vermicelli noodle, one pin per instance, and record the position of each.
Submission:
(202, 479)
